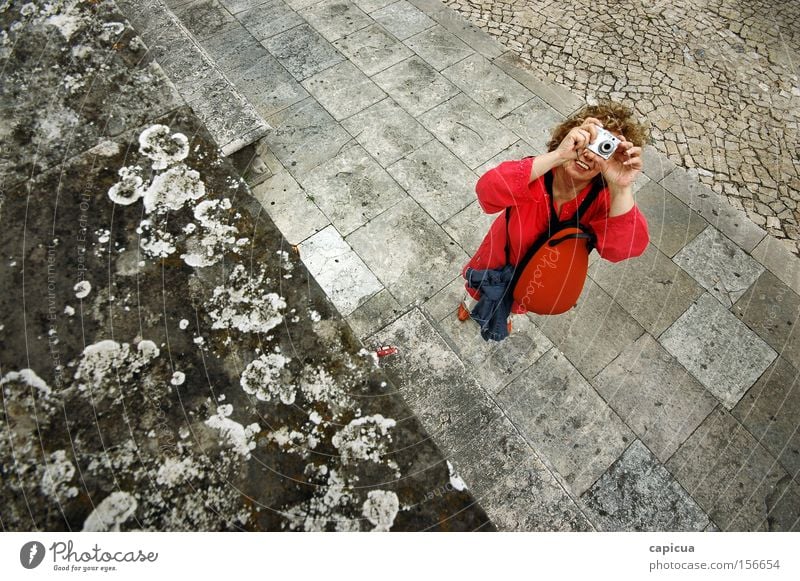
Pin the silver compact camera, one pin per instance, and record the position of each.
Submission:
(605, 145)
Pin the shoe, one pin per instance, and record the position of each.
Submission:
(509, 327)
(463, 313)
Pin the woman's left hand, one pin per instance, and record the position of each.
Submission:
(622, 168)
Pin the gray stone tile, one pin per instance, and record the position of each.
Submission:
(295, 215)
(770, 411)
(478, 39)
(372, 49)
(772, 310)
(432, 381)
(343, 90)
(445, 302)
(351, 189)
(204, 18)
(592, 334)
(334, 19)
(415, 85)
(652, 288)
(270, 19)
(468, 130)
(656, 165)
(436, 179)
(487, 85)
(268, 87)
(554, 95)
(734, 479)
(780, 261)
(654, 395)
(718, 349)
(369, 6)
(518, 150)
(301, 4)
(338, 270)
(387, 131)
(439, 47)
(672, 225)
(719, 265)
(236, 6)
(408, 252)
(402, 19)
(495, 364)
(639, 494)
(302, 51)
(374, 314)
(523, 495)
(234, 50)
(534, 123)
(565, 420)
(304, 136)
(469, 226)
(718, 212)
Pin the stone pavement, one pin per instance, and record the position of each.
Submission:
(668, 400)
(717, 79)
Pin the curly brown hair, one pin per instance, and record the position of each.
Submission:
(615, 117)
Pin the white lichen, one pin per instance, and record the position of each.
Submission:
(243, 304)
(163, 149)
(455, 480)
(261, 378)
(82, 289)
(129, 189)
(364, 438)
(171, 189)
(381, 508)
(234, 434)
(115, 509)
(56, 474)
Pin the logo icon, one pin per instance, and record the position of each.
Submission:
(31, 554)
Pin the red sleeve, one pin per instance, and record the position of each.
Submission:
(505, 185)
(621, 237)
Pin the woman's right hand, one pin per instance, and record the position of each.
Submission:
(577, 139)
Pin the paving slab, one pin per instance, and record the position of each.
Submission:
(303, 51)
(652, 288)
(517, 150)
(377, 312)
(657, 166)
(343, 90)
(290, 208)
(436, 179)
(334, 19)
(467, 130)
(372, 49)
(638, 494)
(495, 364)
(718, 349)
(734, 479)
(234, 50)
(351, 189)
(387, 132)
(269, 19)
(481, 41)
(782, 263)
(772, 310)
(565, 420)
(770, 411)
(204, 18)
(402, 19)
(557, 97)
(534, 123)
(369, 6)
(236, 6)
(339, 271)
(654, 395)
(732, 222)
(439, 47)
(487, 85)
(445, 302)
(268, 87)
(592, 334)
(393, 246)
(415, 85)
(304, 136)
(670, 222)
(723, 268)
(469, 226)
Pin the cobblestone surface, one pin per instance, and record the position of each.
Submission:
(716, 79)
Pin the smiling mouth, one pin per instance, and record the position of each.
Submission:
(581, 165)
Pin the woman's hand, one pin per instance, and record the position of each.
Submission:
(622, 168)
(577, 139)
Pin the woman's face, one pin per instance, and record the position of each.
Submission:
(586, 167)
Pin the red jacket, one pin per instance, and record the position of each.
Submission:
(508, 184)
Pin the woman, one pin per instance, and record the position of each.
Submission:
(619, 226)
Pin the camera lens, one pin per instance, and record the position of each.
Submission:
(605, 147)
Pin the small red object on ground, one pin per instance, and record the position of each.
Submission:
(386, 350)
